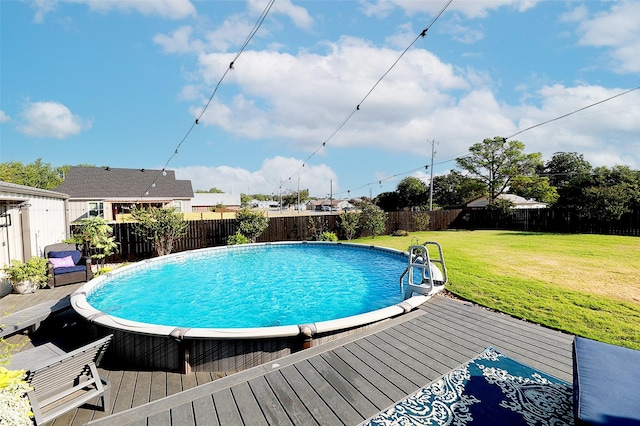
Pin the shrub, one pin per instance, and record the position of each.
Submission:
(160, 226)
(34, 269)
(15, 409)
(237, 239)
(251, 224)
(422, 220)
(400, 233)
(328, 236)
(372, 219)
(349, 222)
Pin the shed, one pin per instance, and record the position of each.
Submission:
(30, 219)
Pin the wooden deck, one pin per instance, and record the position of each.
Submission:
(340, 382)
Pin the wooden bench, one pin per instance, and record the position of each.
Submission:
(62, 381)
(31, 317)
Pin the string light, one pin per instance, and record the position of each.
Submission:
(357, 108)
(252, 33)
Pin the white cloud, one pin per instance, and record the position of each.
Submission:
(179, 41)
(275, 173)
(4, 118)
(169, 9)
(596, 132)
(51, 120)
(42, 7)
(471, 9)
(328, 88)
(298, 15)
(618, 30)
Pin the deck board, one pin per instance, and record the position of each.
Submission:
(269, 404)
(340, 382)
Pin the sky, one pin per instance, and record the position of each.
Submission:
(341, 97)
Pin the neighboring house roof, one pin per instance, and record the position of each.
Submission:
(98, 183)
(201, 199)
(519, 202)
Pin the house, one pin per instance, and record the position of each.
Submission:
(329, 205)
(30, 219)
(518, 202)
(204, 202)
(107, 192)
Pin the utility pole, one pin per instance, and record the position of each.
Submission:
(433, 153)
(330, 195)
(298, 207)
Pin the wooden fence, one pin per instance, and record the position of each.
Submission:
(566, 221)
(211, 233)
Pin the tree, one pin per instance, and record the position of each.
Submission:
(455, 189)
(161, 226)
(212, 190)
(36, 175)
(97, 237)
(497, 161)
(412, 192)
(610, 193)
(372, 219)
(563, 167)
(349, 224)
(292, 198)
(251, 224)
(388, 201)
(534, 187)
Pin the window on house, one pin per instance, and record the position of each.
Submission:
(96, 209)
(177, 206)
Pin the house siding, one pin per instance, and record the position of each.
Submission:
(31, 219)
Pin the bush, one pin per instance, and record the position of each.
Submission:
(328, 236)
(15, 408)
(349, 222)
(237, 239)
(422, 220)
(251, 224)
(400, 233)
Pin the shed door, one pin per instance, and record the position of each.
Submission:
(11, 245)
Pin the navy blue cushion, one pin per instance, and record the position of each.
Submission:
(76, 255)
(66, 270)
(606, 383)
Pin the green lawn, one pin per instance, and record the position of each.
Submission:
(588, 285)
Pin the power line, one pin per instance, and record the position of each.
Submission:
(517, 133)
(422, 34)
(246, 42)
(551, 120)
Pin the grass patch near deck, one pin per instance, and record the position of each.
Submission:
(587, 285)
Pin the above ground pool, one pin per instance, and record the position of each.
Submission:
(244, 295)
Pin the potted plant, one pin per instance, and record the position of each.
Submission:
(26, 277)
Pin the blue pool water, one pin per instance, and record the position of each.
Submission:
(255, 286)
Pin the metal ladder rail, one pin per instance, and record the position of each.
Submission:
(420, 259)
(439, 260)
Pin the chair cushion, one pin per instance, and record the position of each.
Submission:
(62, 262)
(606, 383)
(67, 270)
(76, 255)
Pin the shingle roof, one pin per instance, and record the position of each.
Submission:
(103, 183)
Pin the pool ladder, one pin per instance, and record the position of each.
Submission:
(425, 275)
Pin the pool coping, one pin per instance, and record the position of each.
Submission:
(82, 307)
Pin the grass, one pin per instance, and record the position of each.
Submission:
(587, 285)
